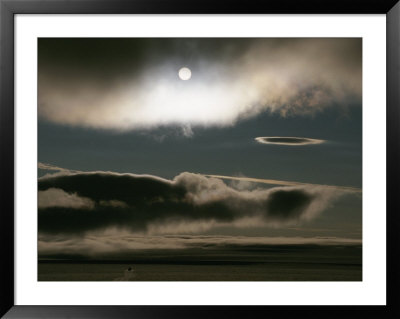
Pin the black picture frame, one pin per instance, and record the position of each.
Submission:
(8, 10)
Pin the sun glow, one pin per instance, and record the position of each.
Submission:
(185, 74)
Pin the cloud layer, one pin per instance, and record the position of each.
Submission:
(76, 203)
(133, 83)
(290, 141)
(124, 243)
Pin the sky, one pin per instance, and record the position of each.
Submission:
(261, 145)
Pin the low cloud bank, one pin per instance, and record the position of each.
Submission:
(114, 242)
(76, 203)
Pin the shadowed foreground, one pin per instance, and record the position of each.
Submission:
(257, 263)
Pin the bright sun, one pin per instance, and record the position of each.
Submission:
(185, 74)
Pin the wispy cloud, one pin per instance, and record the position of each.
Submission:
(284, 183)
(50, 167)
(54, 197)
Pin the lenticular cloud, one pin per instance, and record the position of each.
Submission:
(290, 141)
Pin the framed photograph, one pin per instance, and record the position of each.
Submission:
(172, 159)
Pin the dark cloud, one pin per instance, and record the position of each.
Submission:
(284, 204)
(187, 203)
(291, 141)
(127, 57)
